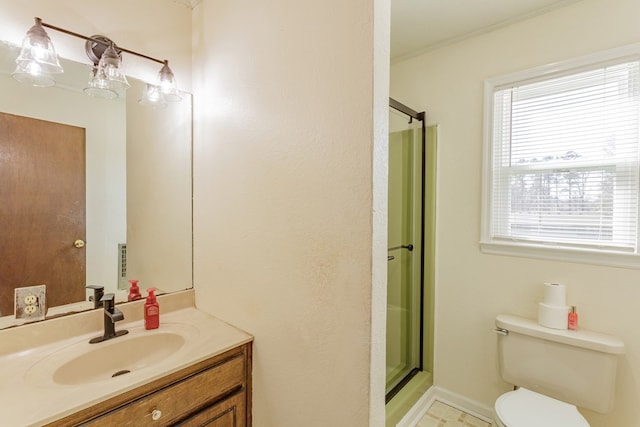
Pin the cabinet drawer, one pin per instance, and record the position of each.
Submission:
(230, 412)
(174, 402)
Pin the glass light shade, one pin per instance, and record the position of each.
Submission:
(99, 85)
(33, 75)
(38, 49)
(110, 66)
(151, 96)
(167, 83)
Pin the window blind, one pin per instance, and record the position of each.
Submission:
(565, 159)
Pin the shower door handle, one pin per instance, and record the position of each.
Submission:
(409, 247)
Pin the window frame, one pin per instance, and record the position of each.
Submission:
(522, 248)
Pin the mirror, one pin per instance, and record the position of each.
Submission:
(138, 183)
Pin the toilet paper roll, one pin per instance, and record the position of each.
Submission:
(552, 316)
(555, 294)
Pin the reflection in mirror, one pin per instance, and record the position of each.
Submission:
(136, 183)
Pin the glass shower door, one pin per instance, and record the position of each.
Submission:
(404, 316)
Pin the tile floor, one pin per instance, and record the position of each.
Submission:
(442, 415)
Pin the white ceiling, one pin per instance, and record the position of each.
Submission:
(421, 25)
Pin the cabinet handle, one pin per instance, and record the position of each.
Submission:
(156, 414)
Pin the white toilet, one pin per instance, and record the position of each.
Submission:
(555, 370)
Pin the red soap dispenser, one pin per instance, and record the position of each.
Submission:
(573, 319)
(151, 311)
(134, 291)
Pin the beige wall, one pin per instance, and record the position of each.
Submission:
(472, 288)
(284, 229)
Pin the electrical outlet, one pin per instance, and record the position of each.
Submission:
(30, 303)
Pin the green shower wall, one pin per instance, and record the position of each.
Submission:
(429, 206)
(401, 205)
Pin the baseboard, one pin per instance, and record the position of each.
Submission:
(458, 401)
(443, 395)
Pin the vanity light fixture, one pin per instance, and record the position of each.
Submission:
(167, 83)
(106, 78)
(38, 60)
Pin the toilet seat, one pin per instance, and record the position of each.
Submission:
(525, 408)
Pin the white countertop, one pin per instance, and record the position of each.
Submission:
(28, 403)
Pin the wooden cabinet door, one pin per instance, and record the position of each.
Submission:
(43, 212)
(231, 412)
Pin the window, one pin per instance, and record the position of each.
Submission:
(562, 160)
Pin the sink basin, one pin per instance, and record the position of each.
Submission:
(84, 363)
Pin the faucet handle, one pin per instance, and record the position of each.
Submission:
(98, 292)
(108, 300)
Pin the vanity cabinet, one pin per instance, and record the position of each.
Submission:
(215, 392)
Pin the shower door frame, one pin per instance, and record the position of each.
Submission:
(398, 106)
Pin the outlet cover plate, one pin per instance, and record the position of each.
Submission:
(30, 303)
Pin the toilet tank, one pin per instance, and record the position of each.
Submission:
(577, 367)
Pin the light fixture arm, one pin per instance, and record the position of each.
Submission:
(94, 40)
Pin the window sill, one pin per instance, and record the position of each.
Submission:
(561, 254)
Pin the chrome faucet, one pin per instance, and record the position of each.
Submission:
(111, 316)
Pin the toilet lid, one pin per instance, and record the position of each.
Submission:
(525, 408)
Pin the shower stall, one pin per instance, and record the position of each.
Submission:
(410, 250)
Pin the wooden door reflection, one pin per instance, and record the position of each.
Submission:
(42, 209)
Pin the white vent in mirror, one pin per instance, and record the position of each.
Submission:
(122, 266)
